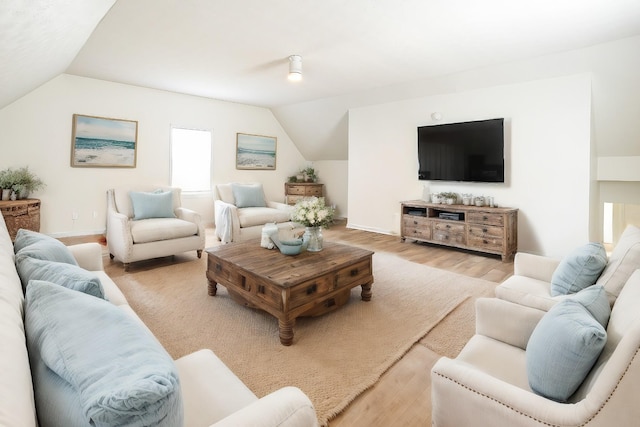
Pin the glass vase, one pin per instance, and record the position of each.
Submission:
(312, 238)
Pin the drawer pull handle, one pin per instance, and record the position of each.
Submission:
(218, 267)
(335, 282)
(448, 226)
(485, 242)
(330, 302)
(261, 289)
(484, 230)
(354, 272)
(311, 289)
(415, 222)
(484, 218)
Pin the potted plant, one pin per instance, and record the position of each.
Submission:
(309, 174)
(6, 183)
(449, 197)
(25, 182)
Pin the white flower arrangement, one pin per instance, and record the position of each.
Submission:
(312, 212)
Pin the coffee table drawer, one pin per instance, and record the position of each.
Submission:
(310, 290)
(354, 273)
(223, 272)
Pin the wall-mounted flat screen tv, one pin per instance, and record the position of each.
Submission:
(468, 151)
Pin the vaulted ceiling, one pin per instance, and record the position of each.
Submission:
(237, 51)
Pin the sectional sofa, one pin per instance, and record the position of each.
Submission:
(75, 353)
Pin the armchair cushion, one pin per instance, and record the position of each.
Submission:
(250, 217)
(562, 350)
(579, 269)
(156, 229)
(40, 246)
(157, 204)
(248, 195)
(105, 369)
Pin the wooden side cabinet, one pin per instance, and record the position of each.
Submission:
(482, 229)
(295, 191)
(21, 214)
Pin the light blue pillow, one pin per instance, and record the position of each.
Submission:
(595, 299)
(94, 364)
(562, 350)
(152, 205)
(579, 269)
(248, 195)
(67, 275)
(40, 246)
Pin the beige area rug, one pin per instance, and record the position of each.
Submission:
(334, 357)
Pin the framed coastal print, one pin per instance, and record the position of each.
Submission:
(255, 151)
(99, 142)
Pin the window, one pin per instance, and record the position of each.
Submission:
(191, 159)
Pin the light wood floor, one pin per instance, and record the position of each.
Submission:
(402, 397)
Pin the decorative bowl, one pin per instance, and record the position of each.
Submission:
(287, 247)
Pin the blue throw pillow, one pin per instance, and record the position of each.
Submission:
(562, 350)
(94, 364)
(152, 205)
(40, 246)
(595, 299)
(248, 195)
(579, 269)
(67, 275)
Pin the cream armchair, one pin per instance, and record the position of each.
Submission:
(150, 223)
(241, 211)
(487, 384)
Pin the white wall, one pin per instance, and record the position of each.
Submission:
(334, 174)
(36, 131)
(547, 154)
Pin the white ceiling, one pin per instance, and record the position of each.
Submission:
(237, 51)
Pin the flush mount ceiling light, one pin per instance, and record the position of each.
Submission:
(295, 68)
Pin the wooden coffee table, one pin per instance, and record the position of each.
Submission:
(288, 287)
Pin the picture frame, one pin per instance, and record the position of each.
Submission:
(101, 142)
(256, 151)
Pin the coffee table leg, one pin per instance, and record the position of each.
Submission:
(213, 288)
(366, 292)
(286, 331)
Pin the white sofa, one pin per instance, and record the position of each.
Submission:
(212, 394)
(237, 220)
(132, 240)
(530, 284)
(487, 384)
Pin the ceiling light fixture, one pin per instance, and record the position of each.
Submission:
(295, 68)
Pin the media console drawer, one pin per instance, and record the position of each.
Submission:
(482, 229)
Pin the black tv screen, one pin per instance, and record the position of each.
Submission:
(468, 151)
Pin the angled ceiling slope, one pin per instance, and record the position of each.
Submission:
(40, 38)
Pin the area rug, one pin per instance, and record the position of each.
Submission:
(334, 357)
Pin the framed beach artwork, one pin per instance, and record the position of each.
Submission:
(100, 142)
(255, 151)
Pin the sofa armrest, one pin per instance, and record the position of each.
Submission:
(88, 255)
(534, 266)
(456, 384)
(506, 321)
(286, 407)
